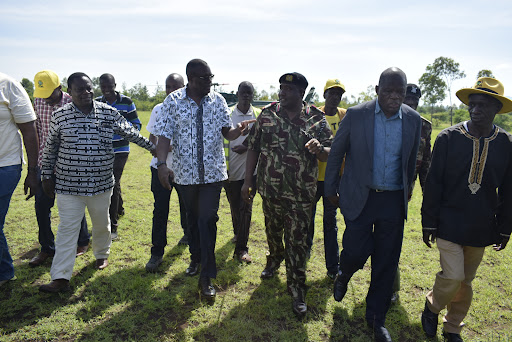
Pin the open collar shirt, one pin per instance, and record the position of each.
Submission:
(196, 136)
(44, 114)
(79, 148)
(387, 151)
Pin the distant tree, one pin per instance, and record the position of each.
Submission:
(29, 87)
(484, 73)
(448, 70)
(433, 89)
(64, 84)
(96, 86)
(367, 95)
(139, 92)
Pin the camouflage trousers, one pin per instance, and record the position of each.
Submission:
(291, 219)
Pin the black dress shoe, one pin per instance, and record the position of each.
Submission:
(267, 273)
(452, 337)
(206, 287)
(340, 286)
(381, 334)
(299, 308)
(429, 321)
(192, 269)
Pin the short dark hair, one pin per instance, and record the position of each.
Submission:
(107, 77)
(194, 64)
(246, 84)
(74, 76)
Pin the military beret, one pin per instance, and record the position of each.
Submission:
(294, 78)
(413, 90)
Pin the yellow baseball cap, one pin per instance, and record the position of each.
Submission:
(334, 83)
(45, 82)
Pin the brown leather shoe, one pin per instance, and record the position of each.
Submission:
(39, 259)
(81, 250)
(101, 264)
(57, 285)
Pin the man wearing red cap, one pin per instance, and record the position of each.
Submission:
(48, 97)
(466, 202)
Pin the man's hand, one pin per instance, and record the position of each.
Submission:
(314, 146)
(31, 182)
(240, 149)
(502, 245)
(429, 236)
(153, 150)
(49, 187)
(244, 126)
(247, 192)
(335, 200)
(165, 176)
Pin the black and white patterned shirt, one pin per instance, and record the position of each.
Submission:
(79, 148)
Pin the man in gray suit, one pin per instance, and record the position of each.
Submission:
(379, 140)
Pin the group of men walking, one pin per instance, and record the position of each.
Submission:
(363, 160)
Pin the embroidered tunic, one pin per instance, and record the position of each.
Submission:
(468, 191)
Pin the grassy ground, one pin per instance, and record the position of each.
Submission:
(124, 303)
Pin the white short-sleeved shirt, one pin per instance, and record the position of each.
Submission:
(151, 129)
(198, 149)
(15, 108)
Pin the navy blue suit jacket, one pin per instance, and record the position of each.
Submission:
(354, 140)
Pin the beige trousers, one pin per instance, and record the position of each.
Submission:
(71, 212)
(452, 288)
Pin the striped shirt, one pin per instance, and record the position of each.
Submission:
(126, 107)
(79, 147)
(44, 113)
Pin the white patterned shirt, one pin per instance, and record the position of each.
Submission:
(196, 136)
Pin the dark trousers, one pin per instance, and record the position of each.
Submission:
(43, 205)
(377, 232)
(331, 247)
(202, 204)
(119, 163)
(241, 213)
(161, 214)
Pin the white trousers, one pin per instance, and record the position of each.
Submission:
(71, 212)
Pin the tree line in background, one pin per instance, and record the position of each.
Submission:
(435, 84)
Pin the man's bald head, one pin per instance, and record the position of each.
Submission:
(392, 73)
(173, 82)
(391, 90)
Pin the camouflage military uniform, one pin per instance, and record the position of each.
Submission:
(424, 151)
(286, 180)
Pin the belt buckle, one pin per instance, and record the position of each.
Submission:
(378, 190)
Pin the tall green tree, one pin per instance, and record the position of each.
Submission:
(484, 73)
(433, 89)
(29, 87)
(448, 70)
(367, 95)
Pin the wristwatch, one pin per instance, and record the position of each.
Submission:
(160, 162)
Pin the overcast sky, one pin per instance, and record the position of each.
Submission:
(257, 41)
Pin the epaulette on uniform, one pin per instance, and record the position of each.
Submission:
(269, 105)
(426, 120)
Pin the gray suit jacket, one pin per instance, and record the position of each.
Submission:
(354, 140)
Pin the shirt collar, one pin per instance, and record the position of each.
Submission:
(378, 110)
(239, 112)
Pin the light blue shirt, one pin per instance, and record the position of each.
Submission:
(387, 151)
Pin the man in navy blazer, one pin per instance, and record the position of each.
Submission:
(379, 141)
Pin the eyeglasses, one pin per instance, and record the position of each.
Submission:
(206, 77)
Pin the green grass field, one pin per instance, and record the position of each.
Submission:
(124, 303)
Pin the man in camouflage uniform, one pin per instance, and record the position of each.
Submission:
(288, 138)
(412, 98)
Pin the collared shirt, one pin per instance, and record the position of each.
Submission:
(15, 108)
(44, 113)
(387, 151)
(196, 136)
(126, 107)
(151, 129)
(236, 170)
(79, 148)
(286, 169)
